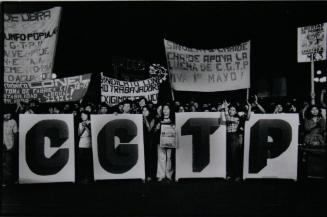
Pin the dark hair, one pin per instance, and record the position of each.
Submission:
(88, 114)
(171, 114)
(308, 114)
(127, 102)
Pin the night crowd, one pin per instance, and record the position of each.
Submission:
(160, 162)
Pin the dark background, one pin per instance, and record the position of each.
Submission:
(92, 34)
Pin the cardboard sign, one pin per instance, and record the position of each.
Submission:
(118, 147)
(201, 151)
(46, 148)
(168, 136)
(208, 70)
(271, 146)
(29, 45)
(311, 40)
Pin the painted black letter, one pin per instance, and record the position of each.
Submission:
(57, 132)
(124, 157)
(281, 133)
(200, 129)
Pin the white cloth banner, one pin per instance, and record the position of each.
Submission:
(271, 146)
(30, 42)
(46, 148)
(201, 148)
(114, 91)
(208, 70)
(311, 40)
(118, 146)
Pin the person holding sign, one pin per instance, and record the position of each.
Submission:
(149, 148)
(165, 148)
(84, 170)
(234, 145)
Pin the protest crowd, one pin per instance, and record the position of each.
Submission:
(31, 88)
(159, 162)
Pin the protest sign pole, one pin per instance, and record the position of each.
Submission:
(247, 94)
(312, 80)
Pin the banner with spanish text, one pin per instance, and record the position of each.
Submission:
(50, 91)
(208, 70)
(114, 91)
(311, 40)
(29, 45)
(46, 148)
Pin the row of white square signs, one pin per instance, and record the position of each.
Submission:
(46, 147)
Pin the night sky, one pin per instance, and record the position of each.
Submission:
(91, 34)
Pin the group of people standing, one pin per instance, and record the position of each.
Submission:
(160, 161)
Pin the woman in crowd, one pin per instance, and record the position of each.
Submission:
(85, 163)
(164, 168)
(234, 143)
(150, 150)
(314, 127)
(9, 149)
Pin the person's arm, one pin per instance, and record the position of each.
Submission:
(322, 96)
(258, 105)
(303, 111)
(248, 115)
(81, 129)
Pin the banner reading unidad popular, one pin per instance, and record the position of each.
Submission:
(56, 90)
(30, 43)
(208, 70)
(114, 91)
(311, 41)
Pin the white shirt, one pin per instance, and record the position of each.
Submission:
(85, 138)
(9, 129)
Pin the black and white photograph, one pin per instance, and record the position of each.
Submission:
(163, 108)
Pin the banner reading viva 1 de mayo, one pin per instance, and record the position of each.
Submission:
(114, 91)
(208, 70)
(30, 44)
(56, 90)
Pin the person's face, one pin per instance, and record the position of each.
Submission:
(159, 110)
(120, 107)
(279, 108)
(193, 109)
(126, 108)
(181, 109)
(84, 117)
(145, 112)
(51, 110)
(7, 116)
(75, 113)
(103, 110)
(166, 111)
(55, 110)
(142, 103)
(232, 111)
(314, 111)
(196, 105)
(177, 103)
(88, 108)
